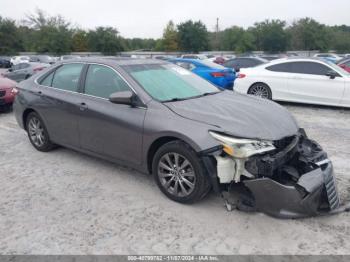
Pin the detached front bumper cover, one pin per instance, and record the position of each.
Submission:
(295, 181)
(298, 181)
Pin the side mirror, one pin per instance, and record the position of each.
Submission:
(123, 98)
(10, 69)
(237, 69)
(332, 74)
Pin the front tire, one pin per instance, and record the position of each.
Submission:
(261, 90)
(37, 133)
(179, 173)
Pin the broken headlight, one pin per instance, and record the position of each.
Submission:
(242, 148)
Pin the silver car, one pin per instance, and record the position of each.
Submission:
(23, 71)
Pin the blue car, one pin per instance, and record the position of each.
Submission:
(214, 73)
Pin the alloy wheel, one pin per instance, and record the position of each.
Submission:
(176, 174)
(260, 91)
(36, 132)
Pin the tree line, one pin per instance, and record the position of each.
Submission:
(42, 33)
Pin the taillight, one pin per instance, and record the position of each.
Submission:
(217, 74)
(14, 91)
(241, 75)
(37, 69)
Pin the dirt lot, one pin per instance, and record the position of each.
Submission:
(64, 202)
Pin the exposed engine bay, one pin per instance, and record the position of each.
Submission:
(288, 178)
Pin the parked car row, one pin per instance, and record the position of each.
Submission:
(163, 119)
(24, 70)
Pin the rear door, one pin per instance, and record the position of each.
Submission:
(308, 83)
(111, 130)
(58, 103)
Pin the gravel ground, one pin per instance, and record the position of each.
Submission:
(64, 202)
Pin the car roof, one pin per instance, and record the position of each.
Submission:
(117, 61)
(296, 59)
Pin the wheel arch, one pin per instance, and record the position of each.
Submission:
(260, 82)
(25, 115)
(157, 143)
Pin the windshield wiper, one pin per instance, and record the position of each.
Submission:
(175, 99)
(191, 97)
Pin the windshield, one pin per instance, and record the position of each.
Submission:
(337, 68)
(169, 82)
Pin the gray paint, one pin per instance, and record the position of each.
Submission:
(124, 134)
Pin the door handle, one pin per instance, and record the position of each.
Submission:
(83, 106)
(40, 93)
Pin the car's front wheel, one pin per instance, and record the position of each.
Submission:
(37, 133)
(179, 173)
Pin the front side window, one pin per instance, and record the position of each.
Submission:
(310, 68)
(102, 81)
(67, 77)
(169, 82)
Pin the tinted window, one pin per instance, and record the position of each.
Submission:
(310, 68)
(67, 77)
(283, 67)
(102, 81)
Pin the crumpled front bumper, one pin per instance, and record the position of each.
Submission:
(294, 181)
(314, 193)
(299, 181)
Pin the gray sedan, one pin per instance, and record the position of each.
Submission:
(23, 71)
(159, 118)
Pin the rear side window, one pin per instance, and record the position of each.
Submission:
(102, 81)
(47, 81)
(67, 77)
(283, 67)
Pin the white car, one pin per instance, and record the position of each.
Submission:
(19, 59)
(194, 56)
(303, 80)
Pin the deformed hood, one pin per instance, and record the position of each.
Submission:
(239, 115)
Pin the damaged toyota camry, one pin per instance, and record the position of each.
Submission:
(161, 119)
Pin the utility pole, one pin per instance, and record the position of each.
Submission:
(217, 34)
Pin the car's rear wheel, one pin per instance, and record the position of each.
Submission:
(179, 173)
(261, 90)
(37, 133)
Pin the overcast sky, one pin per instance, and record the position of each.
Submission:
(147, 18)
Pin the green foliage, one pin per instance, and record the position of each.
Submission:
(10, 42)
(80, 41)
(237, 39)
(308, 34)
(193, 36)
(270, 36)
(42, 33)
(170, 41)
(104, 40)
(49, 34)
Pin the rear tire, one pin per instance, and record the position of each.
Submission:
(179, 173)
(261, 90)
(37, 133)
